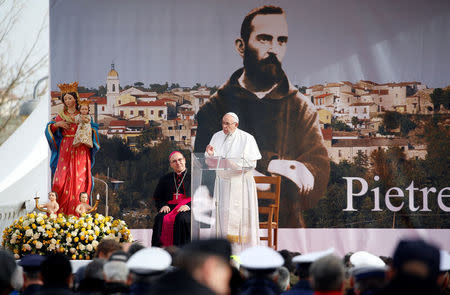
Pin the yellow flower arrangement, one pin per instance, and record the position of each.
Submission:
(77, 237)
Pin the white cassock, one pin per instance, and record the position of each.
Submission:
(238, 219)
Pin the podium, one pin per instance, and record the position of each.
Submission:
(221, 205)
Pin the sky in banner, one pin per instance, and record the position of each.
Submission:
(186, 42)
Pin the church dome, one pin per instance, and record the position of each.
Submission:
(113, 73)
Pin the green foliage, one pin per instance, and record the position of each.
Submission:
(159, 88)
(406, 125)
(339, 125)
(440, 97)
(355, 121)
(391, 120)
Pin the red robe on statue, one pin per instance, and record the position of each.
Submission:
(73, 171)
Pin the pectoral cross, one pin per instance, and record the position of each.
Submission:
(176, 196)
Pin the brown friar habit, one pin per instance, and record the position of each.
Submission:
(285, 126)
(163, 194)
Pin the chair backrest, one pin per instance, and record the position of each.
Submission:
(270, 196)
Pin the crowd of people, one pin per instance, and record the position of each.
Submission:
(208, 267)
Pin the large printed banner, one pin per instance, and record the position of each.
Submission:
(348, 100)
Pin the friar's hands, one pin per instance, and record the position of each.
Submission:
(85, 119)
(183, 208)
(295, 171)
(164, 209)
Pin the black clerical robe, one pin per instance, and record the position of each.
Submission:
(285, 126)
(163, 196)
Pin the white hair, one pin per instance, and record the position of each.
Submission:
(116, 271)
(235, 117)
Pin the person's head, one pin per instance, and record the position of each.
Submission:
(327, 274)
(106, 247)
(303, 262)
(263, 43)
(116, 271)
(8, 267)
(368, 272)
(416, 258)
(70, 100)
(94, 270)
(444, 267)
(84, 197)
(134, 247)
(31, 265)
(177, 162)
(230, 123)
(84, 109)
(52, 196)
(284, 278)
(207, 261)
(56, 270)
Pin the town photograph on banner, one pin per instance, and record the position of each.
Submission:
(347, 101)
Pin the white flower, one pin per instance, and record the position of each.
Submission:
(51, 247)
(25, 223)
(38, 245)
(29, 232)
(40, 229)
(74, 233)
(96, 228)
(13, 241)
(94, 244)
(72, 250)
(36, 236)
(39, 219)
(89, 247)
(48, 226)
(53, 241)
(69, 240)
(53, 216)
(81, 247)
(27, 247)
(17, 232)
(16, 256)
(57, 226)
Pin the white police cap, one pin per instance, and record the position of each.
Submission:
(149, 260)
(444, 263)
(313, 256)
(261, 257)
(366, 264)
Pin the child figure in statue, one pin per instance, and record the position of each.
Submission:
(52, 205)
(83, 135)
(84, 206)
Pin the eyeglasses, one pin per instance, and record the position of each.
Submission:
(228, 123)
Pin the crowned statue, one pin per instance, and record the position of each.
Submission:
(71, 162)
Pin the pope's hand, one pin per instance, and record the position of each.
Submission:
(183, 208)
(165, 209)
(210, 150)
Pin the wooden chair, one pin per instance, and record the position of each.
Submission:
(269, 205)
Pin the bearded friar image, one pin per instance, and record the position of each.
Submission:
(284, 123)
